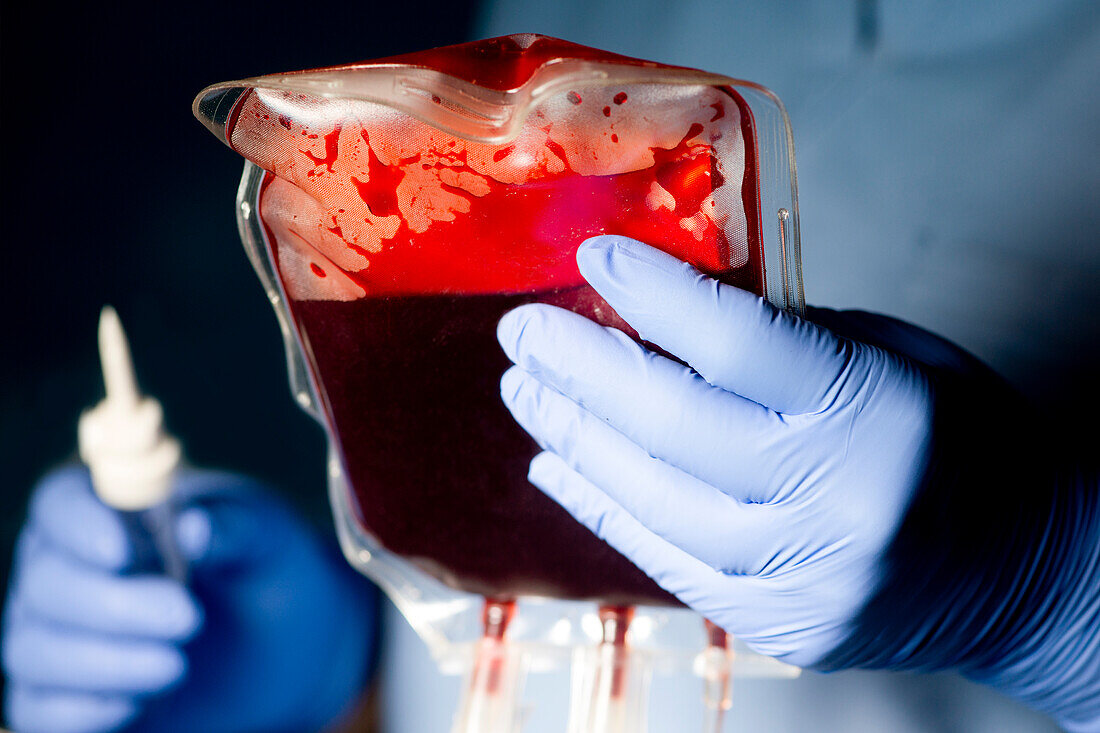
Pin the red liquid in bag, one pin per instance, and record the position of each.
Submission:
(437, 465)
(399, 251)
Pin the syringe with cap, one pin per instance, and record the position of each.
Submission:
(131, 458)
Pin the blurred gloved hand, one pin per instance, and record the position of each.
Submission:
(861, 495)
(272, 633)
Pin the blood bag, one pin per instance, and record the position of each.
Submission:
(395, 209)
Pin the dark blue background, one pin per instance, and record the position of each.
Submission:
(114, 193)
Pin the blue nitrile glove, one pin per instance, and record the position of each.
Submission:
(885, 502)
(273, 632)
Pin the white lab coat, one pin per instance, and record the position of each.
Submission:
(949, 174)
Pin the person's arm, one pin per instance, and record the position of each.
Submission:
(854, 494)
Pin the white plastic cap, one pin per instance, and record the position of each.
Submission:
(122, 439)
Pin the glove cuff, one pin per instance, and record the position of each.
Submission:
(995, 571)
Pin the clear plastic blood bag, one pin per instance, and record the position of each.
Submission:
(397, 208)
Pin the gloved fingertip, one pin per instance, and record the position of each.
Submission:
(595, 256)
(545, 471)
(522, 394)
(194, 532)
(603, 258)
(598, 246)
(508, 328)
(181, 616)
(511, 382)
(512, 327)
(604, 245)
(168, 668)
(628, 274)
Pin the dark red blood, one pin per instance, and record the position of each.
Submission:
(619, 98)
(496, 614)
(607, 111)
(317, 270)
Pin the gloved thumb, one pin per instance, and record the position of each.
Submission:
(227, 521)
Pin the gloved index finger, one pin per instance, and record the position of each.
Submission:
(68, 594)
(66, 514)
(659, 404)
(734, 339)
